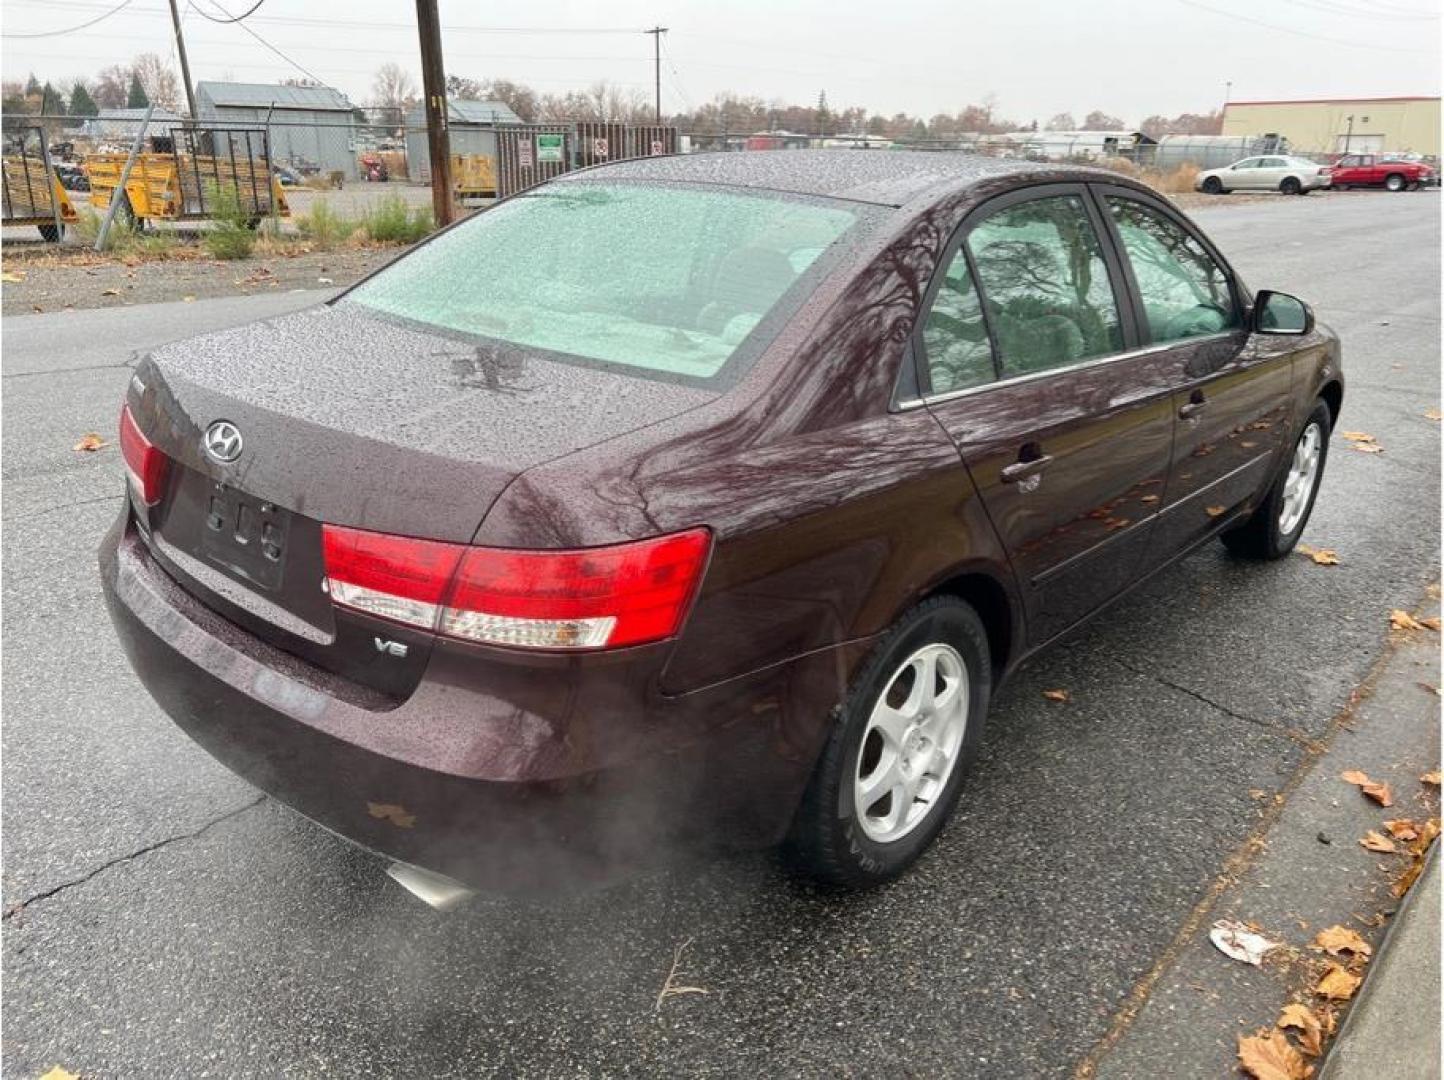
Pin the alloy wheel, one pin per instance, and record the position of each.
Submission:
(911, 744)
(1303, 474)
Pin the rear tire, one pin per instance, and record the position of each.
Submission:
(1213, 186)
(1394, 182)
(51, 233)
(895, 734)
(1290, 185)
(1274, 528)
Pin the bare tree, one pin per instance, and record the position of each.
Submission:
(160, 82)
(1062, 121)
(393, 87)
(112, 85)
(1098, 120)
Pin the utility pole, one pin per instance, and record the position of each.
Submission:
(180, 47)
(433, 85)
(657, 32)
(1349, 138)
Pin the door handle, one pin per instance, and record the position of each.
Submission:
(1192, 409)
(1021, 470)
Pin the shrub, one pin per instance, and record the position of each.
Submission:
(391, 221)
(324, 227)
(232, 234)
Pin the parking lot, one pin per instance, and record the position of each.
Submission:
(163, 919)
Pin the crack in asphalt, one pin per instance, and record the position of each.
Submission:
(68, 370)
(19, 907)
(1272, 728)
(71, 505)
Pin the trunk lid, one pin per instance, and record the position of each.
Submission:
(348, 419)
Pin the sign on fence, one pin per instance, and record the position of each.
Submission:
(523, 153)
(658, 148)
(549, 147)
(599, 148)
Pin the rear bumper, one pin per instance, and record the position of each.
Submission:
(476, 786)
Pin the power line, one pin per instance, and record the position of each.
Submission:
(72, 29)
(249, 12)
(263, 41)
(1291, 30)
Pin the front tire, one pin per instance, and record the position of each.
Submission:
(903, 740)
(1275, 527)
(1213, 186)
(1394, 182)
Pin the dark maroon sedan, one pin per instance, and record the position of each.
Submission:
(696, 501)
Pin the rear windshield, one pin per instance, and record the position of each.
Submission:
(663, 279)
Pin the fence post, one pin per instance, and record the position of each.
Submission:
(50, 182)
(272, 184)
(119, 193)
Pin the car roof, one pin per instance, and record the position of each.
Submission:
(885, 177)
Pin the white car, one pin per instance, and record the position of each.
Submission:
(1290, 175)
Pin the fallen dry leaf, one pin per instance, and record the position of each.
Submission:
(1432, 623)
(1402, 829)
(1322, 556)
(1367, 448)
(1431, 777)
(1056, 695)
(1357, 436)
(1376, 842)
(188, 299)
(1235, 940)
(1149, 499)
(90, 442)
(13, 277)
(1402, 620)
(1214, 511)
(1380, 793)
(1338, 984)
(1433, 414)
(1310, 1028)
(1433, 690)
(1271, 1057)
(393, 813)
(1428, 833)
(1407, 879)
(109, 292)
(1340, 939)
(55, 1072)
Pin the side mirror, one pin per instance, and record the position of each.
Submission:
(1280, 313)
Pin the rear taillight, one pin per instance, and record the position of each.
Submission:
(591, 598)
(143, 462)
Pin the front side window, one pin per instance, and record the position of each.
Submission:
(1251, 163)
(1184, 291)
(1049, 298)
(658, 279)
(955, 338)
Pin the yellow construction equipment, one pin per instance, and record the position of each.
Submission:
(31, 196)
(171, 187)
(473, 176)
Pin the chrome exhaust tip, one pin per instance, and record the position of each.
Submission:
(437, 890)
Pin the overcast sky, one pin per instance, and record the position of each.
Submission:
(918, 56)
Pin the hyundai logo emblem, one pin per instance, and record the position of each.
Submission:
(222, 442)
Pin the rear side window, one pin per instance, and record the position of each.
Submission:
(661, 279)
(1185, 293)
(955, 338)
(1050, 300)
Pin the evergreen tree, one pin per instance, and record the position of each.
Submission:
(52, 102)
(32, 85)
(136, 99)
(81, 103)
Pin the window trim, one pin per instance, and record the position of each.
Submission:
(1119, 284)
(1101, 192)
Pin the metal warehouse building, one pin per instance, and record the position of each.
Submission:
(471, 125)
(1340, 125)
(310, 125)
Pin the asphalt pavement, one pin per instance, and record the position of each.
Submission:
(164, 920)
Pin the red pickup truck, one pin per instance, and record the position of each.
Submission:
(1380, 170)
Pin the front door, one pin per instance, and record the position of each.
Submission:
(1232, 389)
(1024, 347)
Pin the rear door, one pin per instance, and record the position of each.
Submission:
(1025, 360)
(1231, 398)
